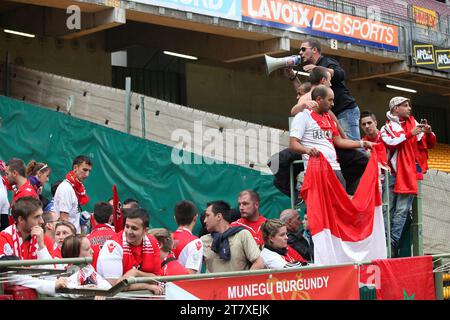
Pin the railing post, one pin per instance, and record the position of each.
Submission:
(416, 225)
(291, 184)
(7, 76)
(438, 280)
(127, 104)
(388, 213)
(143, 116)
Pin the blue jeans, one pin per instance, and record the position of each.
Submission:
(349, 121)
(400, 206)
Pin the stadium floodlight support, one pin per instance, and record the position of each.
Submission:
(18, 33)
(400, 88)
(179, 55)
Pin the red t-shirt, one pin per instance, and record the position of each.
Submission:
(99, 235)
(173, 267)
(7, 246)
(293, 256)
(26, 190)
(253, 226)
(379, 148)
(148, 261)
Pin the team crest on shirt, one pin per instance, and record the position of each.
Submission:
(111, 246)
(198, 244)
(8, 250)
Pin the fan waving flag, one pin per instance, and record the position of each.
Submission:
(343, 229)
(118, 212)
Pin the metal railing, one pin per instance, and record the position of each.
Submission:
(126, 283)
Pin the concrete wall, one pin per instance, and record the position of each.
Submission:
(251, 95)
(247, 95)
(83, 59)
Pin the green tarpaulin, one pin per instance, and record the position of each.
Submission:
(141, 169)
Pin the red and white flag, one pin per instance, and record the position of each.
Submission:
(344, 230)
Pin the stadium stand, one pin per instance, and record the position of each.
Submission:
(439, 158)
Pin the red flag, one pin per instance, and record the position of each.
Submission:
(118, 214)
(406, 278)
(343, 229)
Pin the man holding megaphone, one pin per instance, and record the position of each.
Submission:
(345, 107)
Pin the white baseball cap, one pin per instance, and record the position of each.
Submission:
(396, 101)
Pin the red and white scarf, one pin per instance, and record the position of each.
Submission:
(129, 260)
(78, 187)
(18, 242)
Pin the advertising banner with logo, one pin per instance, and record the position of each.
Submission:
(430, 57)
(297, 17)
(332, 283)
(229, 9)
(425, 17)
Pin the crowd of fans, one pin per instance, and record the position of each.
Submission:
(231, 239)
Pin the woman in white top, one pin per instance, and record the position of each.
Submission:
(276, 253)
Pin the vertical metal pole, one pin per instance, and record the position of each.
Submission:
(388, 213)
(416, 225)
(143, 116)
(127, 104)
(7, 76)
(291, 179)
(438, 280)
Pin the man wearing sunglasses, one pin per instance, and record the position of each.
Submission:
(345, 107)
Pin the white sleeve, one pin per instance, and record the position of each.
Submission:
(194, 255)
(63, 200)
(4, 203)
(43, 254)
(390, 140)
(109, 263)
(273, 260)
(40, 285)
(298, 125)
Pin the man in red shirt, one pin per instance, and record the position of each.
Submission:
(16, 177)
(407, 142)
(372, 134)
(134, 254)
(169, 263)
(25, 238)
(251, 218)
(188, 249)
(103, 230)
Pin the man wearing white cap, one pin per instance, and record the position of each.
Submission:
(407, 142)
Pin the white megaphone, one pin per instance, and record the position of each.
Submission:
(277, 63)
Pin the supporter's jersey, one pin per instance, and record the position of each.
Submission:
(379, 148)
(253, 226)
(188, 249)
(116, 258)
(316, 131)
(7, 245)
(98, 237)
(293, 256)
(171, 267)
(26, 190)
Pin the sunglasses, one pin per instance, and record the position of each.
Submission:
(303, 49)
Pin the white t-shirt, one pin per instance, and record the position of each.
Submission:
(65, 200)
(273, 260)
(4, 203)
(109, 263)
(316, 131)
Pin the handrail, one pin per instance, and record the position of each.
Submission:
(119, 287)
(24, 263)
